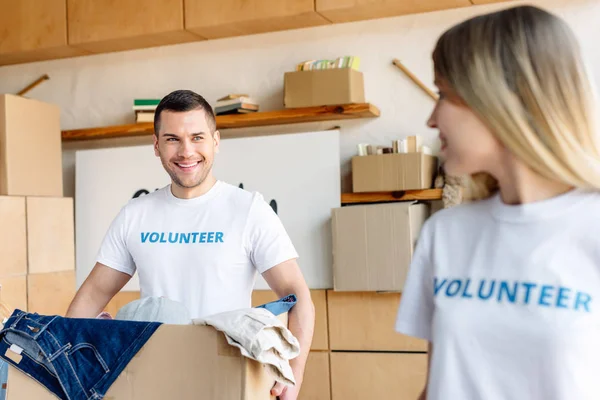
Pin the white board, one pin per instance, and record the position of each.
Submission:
(301, 172)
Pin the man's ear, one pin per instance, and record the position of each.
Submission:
(155, 145)
(217, 140)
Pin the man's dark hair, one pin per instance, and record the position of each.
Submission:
(182, 101)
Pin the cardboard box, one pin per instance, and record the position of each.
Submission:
(119, 300)
(323, 87)
(377, 375)
(13, 292)
(177, 362)
(30, 148)
(393, 172)
(373, 245)
(50, 293)
(13, 236)
(320, 336)
(50, 234)
(317, 382)
(365, 321)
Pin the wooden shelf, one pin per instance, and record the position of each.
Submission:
(378, 197)
(279, 117)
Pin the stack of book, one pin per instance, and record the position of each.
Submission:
(144, 109)
(340, 62)
(411, 144)
(236, 104)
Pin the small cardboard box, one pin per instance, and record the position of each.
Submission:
(393, 172)
(30, 148)
(377, 375)
(365, 321)
(13, 236)
(177, 362)
(373, 245)
(50, 234)
(323, 87)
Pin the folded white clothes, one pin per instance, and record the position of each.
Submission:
(261, 336)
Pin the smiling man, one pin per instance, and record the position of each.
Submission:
(199, 241)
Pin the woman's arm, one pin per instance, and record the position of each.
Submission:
(423, 395)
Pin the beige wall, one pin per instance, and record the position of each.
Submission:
(98, 90)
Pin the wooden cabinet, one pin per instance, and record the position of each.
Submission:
(33, 30)
(221, 18)
(357, 10)
(101, 26)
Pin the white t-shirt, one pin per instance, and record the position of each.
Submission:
(509, 296)
(204, 252)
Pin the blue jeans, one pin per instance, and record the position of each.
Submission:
(280, 306)
(75, 359)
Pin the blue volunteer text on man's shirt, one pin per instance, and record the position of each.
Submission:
(182, 237)
(514, 292)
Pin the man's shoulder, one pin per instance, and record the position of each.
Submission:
(144, 201)
(241, 196)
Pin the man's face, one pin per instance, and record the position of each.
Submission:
(186, 146)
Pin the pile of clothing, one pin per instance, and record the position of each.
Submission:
(78, 358)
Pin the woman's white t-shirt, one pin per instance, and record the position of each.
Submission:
(509, 296)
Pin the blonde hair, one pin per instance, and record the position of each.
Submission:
(520, 70)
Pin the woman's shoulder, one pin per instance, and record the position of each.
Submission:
(470, 210)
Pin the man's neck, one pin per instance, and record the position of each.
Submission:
(190, 193)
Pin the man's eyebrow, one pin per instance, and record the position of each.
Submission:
(176, 136)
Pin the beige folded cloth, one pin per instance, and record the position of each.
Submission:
(260, 336)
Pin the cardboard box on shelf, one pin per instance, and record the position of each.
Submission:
(320, 336)
(323, 87)
(177, 362)
(365, 321)
(317, 382)
(13, 236)
(377, 375)
(50, 293)
(50, 234)
(30, 147)
(393, 172)
(373, 245)
(13, 292)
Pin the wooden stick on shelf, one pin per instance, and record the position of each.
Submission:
(416, 80)
(33, 84)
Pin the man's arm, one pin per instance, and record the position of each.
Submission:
(286, 278)
(97, 290)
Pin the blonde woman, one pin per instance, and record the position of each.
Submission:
(506, 288)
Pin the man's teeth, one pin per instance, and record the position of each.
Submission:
(188, 165)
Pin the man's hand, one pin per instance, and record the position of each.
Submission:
(286, 278)
(98, 289)
(284, 392)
